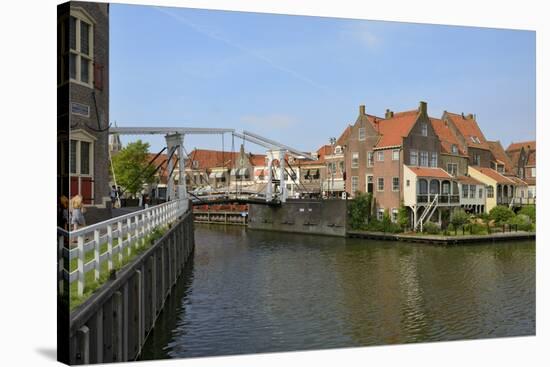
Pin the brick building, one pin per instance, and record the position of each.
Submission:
(523, 157)
(83, 101)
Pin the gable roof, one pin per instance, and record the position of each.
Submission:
(531, 144)
(321, 152)
(446, 136)
(344, 136)
(468, 128)
(257, 159)
(429, 172)
(468, 180)
(491, 173)
(500, 155)
(393, 130)
(517, 180)
(211, 158)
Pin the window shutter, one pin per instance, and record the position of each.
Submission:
(98, 76)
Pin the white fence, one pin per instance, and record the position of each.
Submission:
(120, 234)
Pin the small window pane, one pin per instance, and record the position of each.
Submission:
(72, 66)
(84, 70)
(72, 33)
(84, 158)
(72, 158)
(84, 38)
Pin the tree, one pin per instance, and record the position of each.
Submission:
(501, 214)
(529, 211)
(360, 210)
(403, 218)
(459, 218)
(130, 167)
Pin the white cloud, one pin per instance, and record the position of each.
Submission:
(362, 32)
(272, 121)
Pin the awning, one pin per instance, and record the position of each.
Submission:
(243, 171)
(219, 175)
(307, 173)
(233, 171)
(212, 175)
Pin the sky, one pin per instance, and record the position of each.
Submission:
(299, 80)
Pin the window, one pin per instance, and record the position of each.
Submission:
(84, 158)
(395, 155)
(433, 159)
(394, 212)
(452, 169)
(355, 160)
(72, 157)
(490, 192)
(424, 129)
(380, 214)
(454, 149)
(380, 156)
(354, 184)
(472, 191)
(533, 172)
(446, 188)
(341, 166)
(195, 164)
(337, 150)
(424, 159)
(408, 183)
(500, 168)
(413, 157)
(395, 184)
(465, 191)
(370, 159)
(380, 183)
(477, 159)
(79, 53)
(481, 193)
(362, 133)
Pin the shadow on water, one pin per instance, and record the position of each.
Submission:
(172, 312)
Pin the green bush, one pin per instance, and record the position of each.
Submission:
(530, 211)
(431, 228)
(359, 211)
(375, 225)
(403, 218)
(501, 214)
(459, 218)
(523, 222)
(476, 228)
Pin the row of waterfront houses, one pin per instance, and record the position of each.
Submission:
(405, 158)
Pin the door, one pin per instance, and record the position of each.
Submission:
(370, 184)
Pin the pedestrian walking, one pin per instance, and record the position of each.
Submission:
(77, 213)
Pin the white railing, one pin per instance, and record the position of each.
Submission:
(120, 234)
(428, 212)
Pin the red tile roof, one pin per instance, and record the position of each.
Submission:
(429, 172)
(211, 158)
(344, 136)
(322, 152)
(517, 180)
(257, 159)
(491, 173)
(468, 128)
(500, 155)
(468, 180)
(446, 136)
(394, 129)
(532, 144)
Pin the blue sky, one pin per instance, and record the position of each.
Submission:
(300, 79)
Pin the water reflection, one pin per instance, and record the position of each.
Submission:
(252, 291)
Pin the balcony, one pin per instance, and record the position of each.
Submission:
(443, 199)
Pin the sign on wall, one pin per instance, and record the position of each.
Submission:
(80, 109)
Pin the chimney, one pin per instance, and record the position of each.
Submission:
(362, 110)
(423, 108)
(462, 115)
(470, 116)
(389, 114)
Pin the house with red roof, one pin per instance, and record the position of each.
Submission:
(501, 163)
(523, 156)
(453, 157)
(334, 184)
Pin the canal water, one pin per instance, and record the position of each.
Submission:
(252, 291)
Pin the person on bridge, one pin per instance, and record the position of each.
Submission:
(77, 213)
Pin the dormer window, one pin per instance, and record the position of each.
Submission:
(338, 150)
(195, 164)
(454, 149)
(475, 139)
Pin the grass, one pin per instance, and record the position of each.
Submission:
(92, 285)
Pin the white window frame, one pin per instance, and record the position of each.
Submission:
(81, 16)
(424, 129)
(454, 149)
(355, 160)
(378, 181)
(472, 191)
(454, 170)
(380, 156)
(433, 159)
(370, 159)
(393, 187)
(394, 156)
(415, 155)
(380, 214)
(362, 133)
(533, 171)
(423, 154)
(79, 136)
(394, 214)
